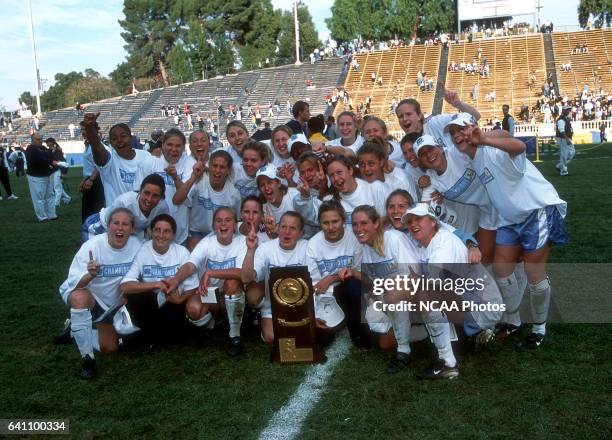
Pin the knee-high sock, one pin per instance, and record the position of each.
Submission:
(521, 277)
(234, 305)
(95, 339)
(400, 321)
(439, 331)
(512, 297)
(203, 321)
(540, 303)
(80, 324)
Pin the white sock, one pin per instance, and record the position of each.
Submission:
(512, 298)
(80, 324)
(261, 303)
(440, 335)
(521, 277)
(540, 302)
(95, 339)
(400, 321)
(234, 304)
(203, 321)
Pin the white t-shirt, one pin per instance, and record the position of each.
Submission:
(515, 185)
(285, 205)
(435, 125)
(326, 258)
(445, 247)
(150, 266)
(119, 175)
(114, 264)
(262, 237)
(354, 147)
(204, 201)
(373, 194)
(396, 154)
(398, 179)
(245, 184)
(398, 250)
(183, 167)
(210, 254)
(142, 222)
(270, 254)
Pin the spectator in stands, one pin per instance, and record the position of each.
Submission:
(277, 106)
(373, 77)
(18, 158)
(40, 167)
(508, 121)
(301, 115)
(475, 92)
(71, 128)
(263, 134)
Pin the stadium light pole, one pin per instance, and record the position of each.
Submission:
(36, 78)
(297, 33)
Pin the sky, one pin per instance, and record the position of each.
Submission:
(73, 35)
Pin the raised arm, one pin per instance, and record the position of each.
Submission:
(452, 98)
(90, 126)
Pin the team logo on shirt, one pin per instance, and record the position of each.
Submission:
(220, 265)
(246, 191)
(127, 177)
(167, 178)
(208, 204)
(334, 265)
(381, 269)
(486, 176)
(154, 271)
(464, 182)
(114, 270)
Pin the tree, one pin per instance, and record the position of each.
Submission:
(122, 77)
(28, 99)
(386, 19)
(309, 38)
(179, 65)
(600, 9)
(152, 28)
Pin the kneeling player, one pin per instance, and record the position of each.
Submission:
(152, 307)
(92, 287)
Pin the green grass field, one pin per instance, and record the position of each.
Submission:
(195, 391)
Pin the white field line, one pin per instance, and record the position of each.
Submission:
(287, 422)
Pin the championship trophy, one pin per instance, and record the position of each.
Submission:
(293, 316)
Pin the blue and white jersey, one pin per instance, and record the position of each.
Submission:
(204, 201)
(460, 183)
(150, 266)
(114, 264)
(209, 254)
(515, 186)
(118, 175)
(184, 168)
(326, 258)
(245, 184)
(398, 250)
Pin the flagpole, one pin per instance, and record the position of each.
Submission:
(36, 77)
(297, 32)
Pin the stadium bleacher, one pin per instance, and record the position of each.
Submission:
(593, 68)
(512, 61)
(517, 72)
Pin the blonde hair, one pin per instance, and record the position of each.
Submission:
(379, 237)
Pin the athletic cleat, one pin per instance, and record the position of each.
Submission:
(13, 197)
(235, 347)
(64, 337)
(88, 368)
(504, 330)
(438, 370)
(398, 363)
(483, 339)
(532, 341)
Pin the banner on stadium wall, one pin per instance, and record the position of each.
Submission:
(480, 9)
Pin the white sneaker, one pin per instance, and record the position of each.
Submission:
(1, 198)
(13, 197)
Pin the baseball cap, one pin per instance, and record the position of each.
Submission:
(424, 141)
(420, 210)
(460, 119)
(299, 137)
(328, 310)
(268, 170)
